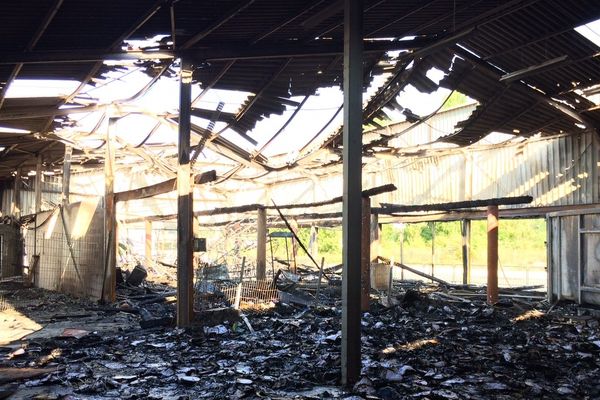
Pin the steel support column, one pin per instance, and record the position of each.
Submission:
(492, 254)
(352, 187)
(185, 269)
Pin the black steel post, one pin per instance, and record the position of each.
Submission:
(352, 187)
(185, 210)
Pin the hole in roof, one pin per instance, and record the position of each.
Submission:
(590, 31)
(28, 88)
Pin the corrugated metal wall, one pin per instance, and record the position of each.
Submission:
(556, 172)
(51, 194)
(574, 256)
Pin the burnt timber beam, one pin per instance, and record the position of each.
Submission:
(456, 205)
(161, 187)
(253, 207)
(352, 182)
(185, 268)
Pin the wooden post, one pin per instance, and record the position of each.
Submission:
(16, 206)
(66, 178)
(38, 207)
(466, 250)
(319, 281)
(185, 269)
(261, 244)
(402, 251)
(365, 255)
(313, 243)
(148, 249)
(110, 217)
(375, 237)
(352, 188)
(492, 254)
(294, 261)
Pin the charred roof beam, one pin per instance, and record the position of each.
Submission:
(210, 54)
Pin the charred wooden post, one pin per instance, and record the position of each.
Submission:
(261, 244)
(295, 244)
(66, 178)
(365, 265)
(375, 237)
(432, 226)
(38, 207)
(352, 207)
(110, 217)
(313, 243)
(38, 184)
(185, 269)
(16, 205)
(148, 248)
(466, 250)
(492, 254)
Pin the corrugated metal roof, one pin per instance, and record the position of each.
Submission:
(506, 36)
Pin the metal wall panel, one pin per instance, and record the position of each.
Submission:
(555, 172)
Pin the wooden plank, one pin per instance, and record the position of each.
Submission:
(8, 375)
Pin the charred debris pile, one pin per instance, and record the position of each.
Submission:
(282, 340)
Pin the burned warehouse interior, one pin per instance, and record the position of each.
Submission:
(301, 199)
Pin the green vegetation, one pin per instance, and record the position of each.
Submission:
(522, 243)
(456, 99)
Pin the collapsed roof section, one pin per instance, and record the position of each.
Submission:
(521, 60)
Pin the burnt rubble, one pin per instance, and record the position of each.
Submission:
(426, 343)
